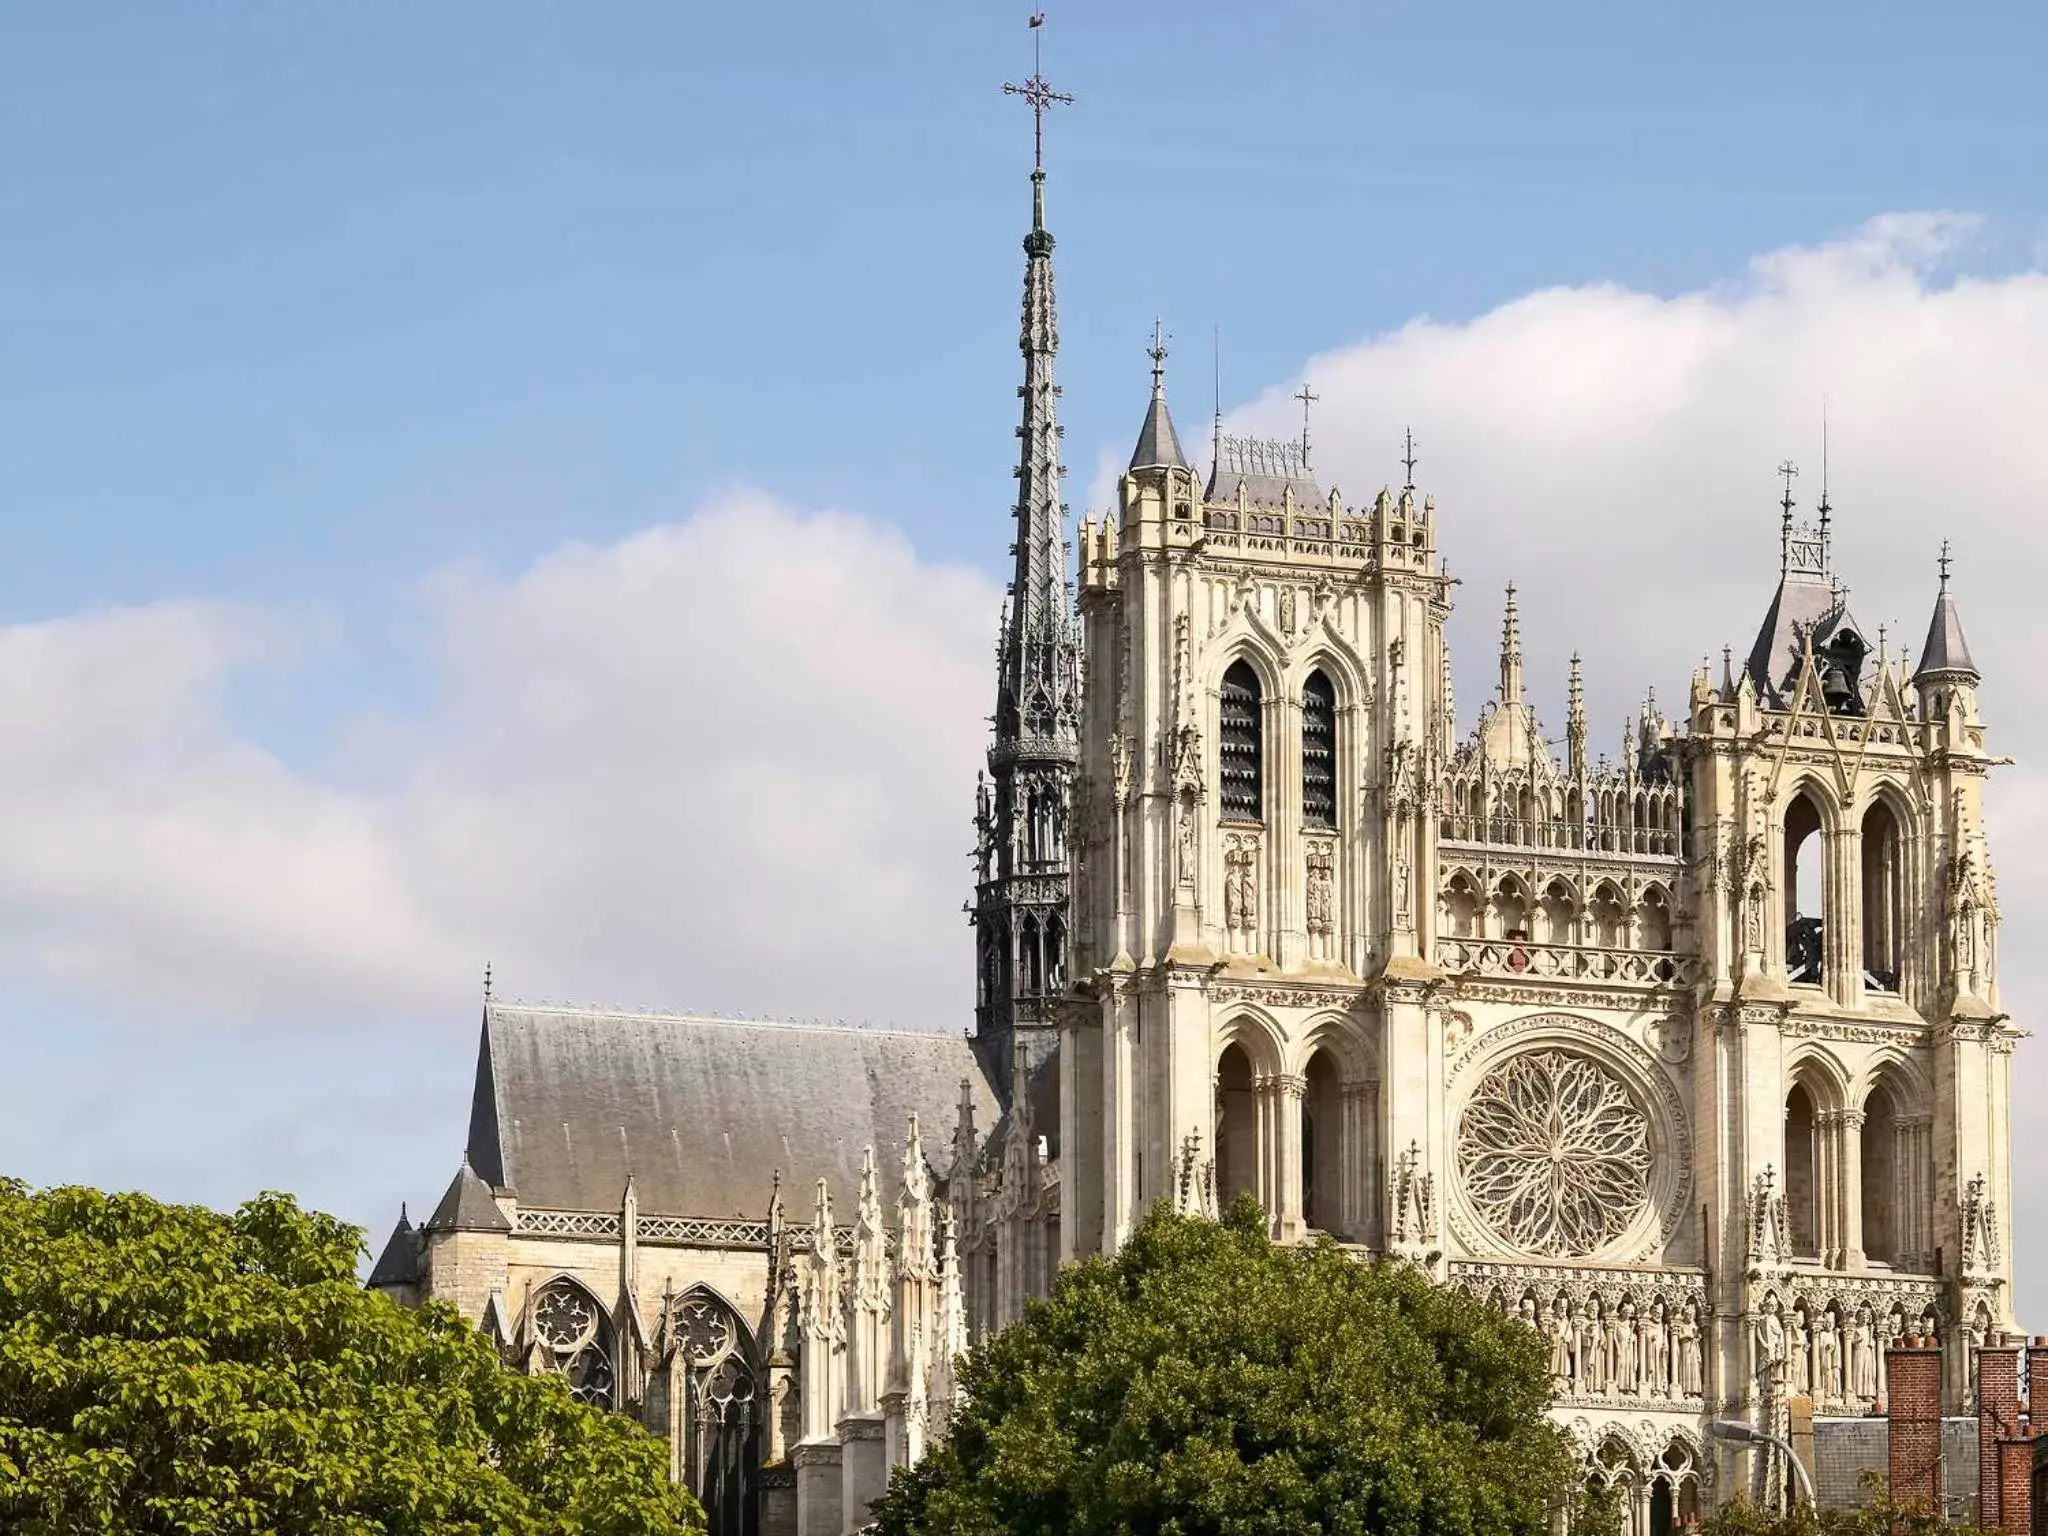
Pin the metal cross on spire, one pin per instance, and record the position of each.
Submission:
(1307, 397)
(1944, 562)
(1788, 469)
(1039, 93)
(1408, 456)
(1157, 352)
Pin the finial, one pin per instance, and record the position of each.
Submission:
(1788, 469)
(1825, 509)
(1043, 98)
(1944, 562)
(487, 964)
(1408, 456)
(1307, 397)
(1157, 352)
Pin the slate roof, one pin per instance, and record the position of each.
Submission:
(399, 1263)
(1268, 471)
(1158, 443)
(1946, 649)
(1802, 606)
(467, 1206)
(703, 1112)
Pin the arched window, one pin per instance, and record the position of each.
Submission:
(715, 1410)
(1884, 898)
(1237, 1127)
(1323, 1152)
(1880, 1173)
(1030, 958)
(1055, 954)
(572, 1328)
(1318, 752)
(1240, 745)
(1461, 907)
(1653, 919)
(1511, 910)
(1801, 1165)
(1805, 891)
(1610, 917)
(1558, 914)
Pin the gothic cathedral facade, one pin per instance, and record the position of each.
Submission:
(1693, 1059)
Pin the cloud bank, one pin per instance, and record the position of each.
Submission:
(728, 763)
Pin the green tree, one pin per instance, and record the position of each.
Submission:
(1205, 1380)
(1879, 1516)
(167, 1368)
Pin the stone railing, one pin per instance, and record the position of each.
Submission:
(682, 1231)
(1495, 830)
(1567, 962)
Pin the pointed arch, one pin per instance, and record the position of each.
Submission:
(1804, 829)
(1511, 906)
(1241, 742)
(1318, 750)
(1459, 906)
(717, 1414)
(1653, 917)
(574, 1335)
(1609, 913)
(1883, 852)
(1557, 912)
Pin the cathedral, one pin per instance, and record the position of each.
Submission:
(1693, 1059)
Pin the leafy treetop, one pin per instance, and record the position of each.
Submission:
(167, 1368)
(1206, 1380)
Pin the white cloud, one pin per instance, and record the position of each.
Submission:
(726, 763)
(729, 762)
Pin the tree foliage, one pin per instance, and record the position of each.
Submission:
(1879, 1516)
(1206, 1380)
(172, 1369)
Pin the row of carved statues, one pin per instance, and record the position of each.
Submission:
(1833, 1353)
(1619, 1346)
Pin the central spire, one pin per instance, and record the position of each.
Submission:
(1021, 907)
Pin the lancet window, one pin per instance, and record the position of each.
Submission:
(1237, 1127)
(1805, 892)
(1884, 898)
(1319, 752)
(570, 1325)
(717, 1389)
(1241, 745)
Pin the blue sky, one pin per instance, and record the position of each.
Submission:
(368, 371)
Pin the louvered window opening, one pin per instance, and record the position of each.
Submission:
(1319, 752)
(1239, 745)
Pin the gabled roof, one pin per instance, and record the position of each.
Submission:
(468, 1206)
(1946, 650)
(1805, 610)
(702, 1112)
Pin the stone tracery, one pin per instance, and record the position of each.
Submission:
(1555, 1153)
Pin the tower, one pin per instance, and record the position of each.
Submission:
(1021, 913)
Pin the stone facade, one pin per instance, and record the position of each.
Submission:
(1693, 1058)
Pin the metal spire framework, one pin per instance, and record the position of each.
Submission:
(1020, 913)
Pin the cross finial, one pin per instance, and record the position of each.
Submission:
(1944, 562)
(1408, 456)
(487, 964)
(1307, 397)
(1157, 352)
(1040, 94)
(1789, 470)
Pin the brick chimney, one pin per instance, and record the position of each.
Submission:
(1912, 1373)
(1998, 1419)
(2016, 1488)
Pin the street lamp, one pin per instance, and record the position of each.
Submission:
(1748, 1434)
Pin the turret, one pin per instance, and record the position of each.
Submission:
(1947, 677)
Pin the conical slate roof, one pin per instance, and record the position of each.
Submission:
(468, 1206)
(1158, 444)
(399, 1263)
(1946, 649)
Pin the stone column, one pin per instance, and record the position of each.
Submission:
(1289, 1091)
(1851, 1178)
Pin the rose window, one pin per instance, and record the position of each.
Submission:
(1554, 1154)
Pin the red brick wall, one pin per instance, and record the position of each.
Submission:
(2016, 1485)
(2037, 1377)
(1912, 1373)
(1998, 1418)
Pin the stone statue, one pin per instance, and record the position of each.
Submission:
(1559, 1327)
(1770, 1343)
(1863, 1356)
(1799, 1352)
(1624, 1351)
(1592, 1349)
(1686, 1350)
(1827, 1361)
(1657, 1351)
